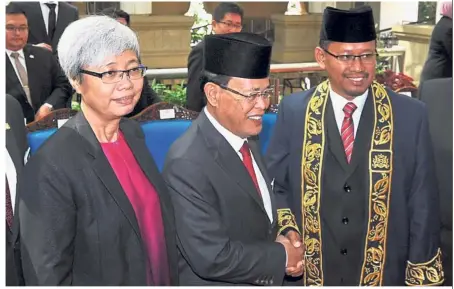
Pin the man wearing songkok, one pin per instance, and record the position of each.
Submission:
(225, 212)
(353, 168)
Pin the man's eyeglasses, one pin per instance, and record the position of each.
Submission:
(231, 25)
(10, 28)
(251, 97)
(350, 58)
(114, 76)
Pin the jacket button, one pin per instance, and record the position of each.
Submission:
(345, 220)
(347, 188)
(343, 251)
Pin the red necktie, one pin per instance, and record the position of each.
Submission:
(247, 161)
(348, 130)
(9, 207)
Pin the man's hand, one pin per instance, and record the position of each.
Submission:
(42, 112)
(44, 45)
(295, 253)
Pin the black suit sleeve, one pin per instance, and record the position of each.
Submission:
(149, 94)
(278, 164)
(47, 218)
(203, 240)
(15, 119)
(61, 88)
(195, 97)
(424, 221)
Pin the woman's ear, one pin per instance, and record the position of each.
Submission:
(76, 85)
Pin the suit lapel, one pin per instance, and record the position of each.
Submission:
(255, 149)
(363, 134)
(136, 143)
(33, 84)
(13, 78)
(228, 160)
(104, 171)
(334, 139)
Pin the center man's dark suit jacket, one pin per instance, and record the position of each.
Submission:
(224, 234)
(78, 226)
(195, 97)
(67, 13)
(437, 94)
(46, 81)
(16, 144)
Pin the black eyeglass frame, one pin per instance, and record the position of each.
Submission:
(350, 58)
(230, 25)
(249, 97)
(127, 72)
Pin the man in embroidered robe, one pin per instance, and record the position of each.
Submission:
(225, 211)
(353, 168)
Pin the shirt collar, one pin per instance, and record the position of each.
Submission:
(340, 101)
(43, 3)
(21, 53)
(235, 141)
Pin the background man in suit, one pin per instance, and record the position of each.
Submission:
(352, 162)
(47, 21)
(148, 95)
(15, 151)
(227, 18)
(437, 94)
(225, 214)
(439, 59)
(33, 75)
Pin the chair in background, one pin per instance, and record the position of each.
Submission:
(268, 122)
(39, 131)
(163, 123)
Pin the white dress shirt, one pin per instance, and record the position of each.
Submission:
(236, 142)
(21, 60)
(45, 11)
(339, 103)
(11, 175)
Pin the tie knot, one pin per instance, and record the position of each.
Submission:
(245, 149)
(15, 55)
(51, 6)
(349, 108)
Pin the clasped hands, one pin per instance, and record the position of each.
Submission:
(295, 253)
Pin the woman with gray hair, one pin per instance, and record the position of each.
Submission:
(93, 208)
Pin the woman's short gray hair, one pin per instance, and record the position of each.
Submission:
(90, 40)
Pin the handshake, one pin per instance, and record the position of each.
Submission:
(295, 253)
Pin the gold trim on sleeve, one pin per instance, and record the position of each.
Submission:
(285, 219)
(425, 274)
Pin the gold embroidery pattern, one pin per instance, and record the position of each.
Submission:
(380, 174)
(312, 160)
(285, 219)
(425, 274)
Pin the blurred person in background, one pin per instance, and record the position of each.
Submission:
(16, 147)
(437, 94)
(227, 18)
(93, 208)
(47, 20)
(439, 60)
(33, 75)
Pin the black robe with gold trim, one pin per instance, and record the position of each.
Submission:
(350, 219)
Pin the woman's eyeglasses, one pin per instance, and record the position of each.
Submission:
(114, 76)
